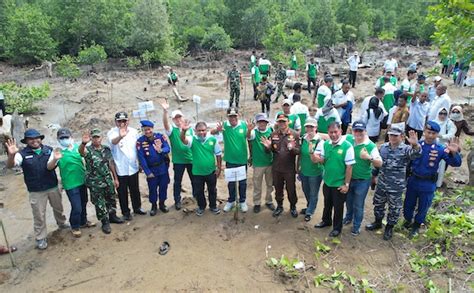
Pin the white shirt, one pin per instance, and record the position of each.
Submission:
(333, 113)
(365, 105)
(253, 135)
(125, 152)
(6, 128)
(390, 64)
(349, 159)
(340, 97)
(325, 91)
(447, 131)
(407, 86)
(262, 61)
(290, 97)
(353, 62)
(1, 96)
(299, 108)
(373, 123)
(389, 88)
(418, 112)
(443, 101)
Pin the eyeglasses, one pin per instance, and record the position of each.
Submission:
(456, 112)
(443, 113)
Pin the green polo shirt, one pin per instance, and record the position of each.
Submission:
(204, 156)
(335, 161)
(308, 167)
(235, 143)
(312, 71)
(71, 168)
(180, 153)
(388, 101)
(362, 169)
(260, 157)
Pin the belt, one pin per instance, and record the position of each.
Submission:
(156, 164)
(433, 177)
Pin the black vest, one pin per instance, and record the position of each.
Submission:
(35, 169)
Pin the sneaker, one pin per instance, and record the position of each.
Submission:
(243, 207)
(270, 206)
(346, 222)
(127, 217)
(307, 218)
(215, 211)
(277, 212)
(88, 224)
(294, 212)
(355, 232)
(63, 226)
(76, 233)
(228, 206)
(42, 244)
(199, 212)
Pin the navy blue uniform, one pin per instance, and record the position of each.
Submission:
(422, 182)
(155, 163)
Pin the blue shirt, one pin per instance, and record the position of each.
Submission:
(151, 160)
(418, 113)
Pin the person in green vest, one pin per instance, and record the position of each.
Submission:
(389, 95)
(311, 74)
(256, 79)
(234, 132)
(445, 62)
(265, 66)
(72, 171)
(206, 151)
(293, 62)
(366, 155)
(327, 115)
(181, 155)
(381, 81)
(310, 173)
(337, 157)
(299, 109)
(293, 119)
(253, 60)
(172, 77)
(324, 91)
(261, 160)
(407, 86)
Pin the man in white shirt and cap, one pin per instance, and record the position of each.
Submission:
(442, 100)
(353, 63)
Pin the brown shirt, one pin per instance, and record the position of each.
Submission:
(284, 160)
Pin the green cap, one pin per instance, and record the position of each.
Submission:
(95, 132)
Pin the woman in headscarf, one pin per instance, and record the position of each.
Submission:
(372, 118)
(446, 133)
(461, 124)
(326, 115)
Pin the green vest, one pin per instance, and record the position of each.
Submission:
(388, 101)
(323, 124)
(71, 168)
(308, 167)
(312, 72)
(256, 77)
(235, 143)
(180, 153)
(294, 64)
(362, 169)
(291, 119)
(393, 80)
(334, 163)
(260, 157)
(203, 154)
(302, 117)
(264, 69)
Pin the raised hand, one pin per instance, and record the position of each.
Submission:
(11, 146)
(453, 146)
(157, 145)
(364, 155)
(186, 125)
(219, 127)
(266, 142)
(123, 131)
(86, 137)
(165, 105)
(250, 125)
(57, 155)
(412, 138)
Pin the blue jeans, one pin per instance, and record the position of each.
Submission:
(358, 190)
(178, 178)
(232, 186)
(78, 199)
(311, 186)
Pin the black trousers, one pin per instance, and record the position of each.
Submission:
(255, 91)
(419, 133)
(344, 127)
(126, 184)
(2, 106)
(311, 80)
(352, 77)
(282, 180)
(198, 189)
(333, 198)
(266, 105)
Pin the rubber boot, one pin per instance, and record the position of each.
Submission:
(414, 230)
(114, 219)
(387, 235)
(154, 209)
(375, 225)
(106, 226)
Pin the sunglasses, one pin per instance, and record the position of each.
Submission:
(122, 121)
(456, 112)
(443, 113)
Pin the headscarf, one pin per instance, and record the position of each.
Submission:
(374, 105)
(456, 117)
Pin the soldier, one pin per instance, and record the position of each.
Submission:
(101, 178)
(337, 157)
(392, 179)
(234, 77)
(284, 143)
(280, 78)
(41, 182)
(424, 172)
(152, 150)
(234, 132)
(261, 161)
(206, 151)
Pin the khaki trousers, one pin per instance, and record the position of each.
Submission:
(38, 201)
(258, 174)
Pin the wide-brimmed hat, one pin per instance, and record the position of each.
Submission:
(31, 133)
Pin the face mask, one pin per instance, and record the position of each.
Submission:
(65, 142)
(455, 116)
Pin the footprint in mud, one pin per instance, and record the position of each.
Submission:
(87, 262)
(58, 237)
(4, 276)
(228, 230)
(122, 236)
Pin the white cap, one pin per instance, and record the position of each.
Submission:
(176, 113)
(286, 101)
(356, 53)
(437, 78)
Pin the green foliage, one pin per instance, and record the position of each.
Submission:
(133, 62)
(147, 58)
(363, 32)
(387, 36)
(325, 28)
(284, 266)
(193, 37)
(216, 39)
(431, 287)
(67, 68)
(27, 36)
(92, 55)
(281, 41)
(22, 98)
(339, 280)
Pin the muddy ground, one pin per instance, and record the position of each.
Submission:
(209, 253)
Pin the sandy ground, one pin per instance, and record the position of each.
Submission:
(210, 253)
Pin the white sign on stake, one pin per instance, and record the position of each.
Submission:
(222, 104)
(146, 106)
(235, 174)
(140, 114)
(196, 99)
(290, 73)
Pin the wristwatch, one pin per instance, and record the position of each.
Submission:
(346, 184)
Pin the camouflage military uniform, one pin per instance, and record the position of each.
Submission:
(280, 78)
(234, 79)
(99, 180)
(392, 180)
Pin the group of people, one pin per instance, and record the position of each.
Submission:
(303, 144)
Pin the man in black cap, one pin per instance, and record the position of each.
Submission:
(42, 183)
(122, 139)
